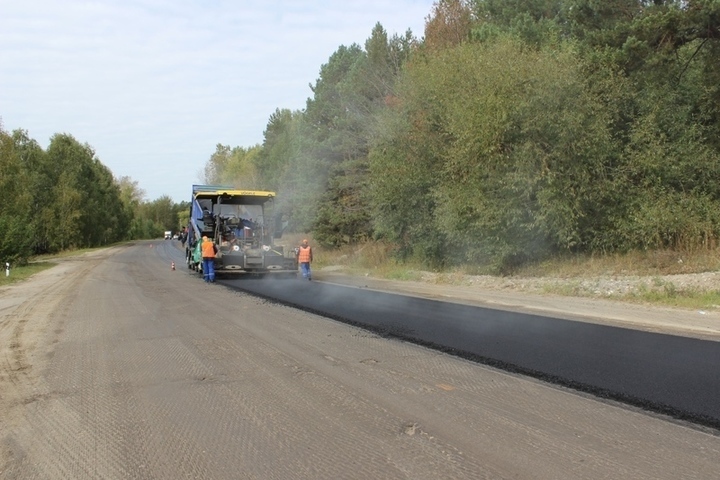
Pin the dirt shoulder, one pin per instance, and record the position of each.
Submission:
(526, 295)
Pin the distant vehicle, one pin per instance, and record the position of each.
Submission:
(168, 234)
(243, 226)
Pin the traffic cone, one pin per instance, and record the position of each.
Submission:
(172, 266)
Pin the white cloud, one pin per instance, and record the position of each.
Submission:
(154, 85)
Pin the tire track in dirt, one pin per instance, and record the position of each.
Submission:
(31, 320)
(29, 325)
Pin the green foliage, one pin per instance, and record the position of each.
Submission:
(448, 25)
(56, 199)
(183, 214)
(517, 130)
(534, 22)
(234, 166)
(317, 159)
(285, 166)
(504, 170)
(86, 210)
(280, 147)
(15, 214)
(402, 179)
(159, 215)
(354, 89)
(16, 239)
(343, 216)
(149, 219)
(22, 271)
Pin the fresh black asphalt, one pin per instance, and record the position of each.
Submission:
(671, 375)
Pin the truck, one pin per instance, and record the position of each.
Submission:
(245, 228)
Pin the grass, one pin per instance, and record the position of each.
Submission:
(377, 257)
(18, 274)
(579, 272)
(667, 293)
(647, 263)
(370, 258)
(570, 275)
(37, 264)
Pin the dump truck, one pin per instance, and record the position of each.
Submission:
(245, 228)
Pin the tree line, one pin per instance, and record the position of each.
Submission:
(63, 198)
(513, 130)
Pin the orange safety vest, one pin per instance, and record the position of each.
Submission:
(305, 255)
(208, 249)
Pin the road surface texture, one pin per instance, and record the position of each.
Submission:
(670, 374)
(114, 366)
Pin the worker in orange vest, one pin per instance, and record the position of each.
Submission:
(209, 250)
(305, 256)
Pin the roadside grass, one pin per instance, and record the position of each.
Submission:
(667, 294)
(375, 256)
(36, 265)
(63, 254)
(569, 275)
(646, 263)
(578, 271)
(687, 298)
(367, 259)
(18, 274)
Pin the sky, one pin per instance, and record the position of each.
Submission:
(154, 85)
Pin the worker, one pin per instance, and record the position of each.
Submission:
(305, 257)
(209, 250)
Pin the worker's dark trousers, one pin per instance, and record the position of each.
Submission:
(209, 269)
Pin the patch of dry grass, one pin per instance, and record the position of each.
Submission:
(39, 263)
(18, 274)
(661, 262)
(377, 258)
(634, 277)
(369, 256)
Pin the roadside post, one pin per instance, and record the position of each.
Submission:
(7, 269)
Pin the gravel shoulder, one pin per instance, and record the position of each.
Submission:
(527, 295)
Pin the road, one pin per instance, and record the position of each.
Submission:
(670, 374)
(115, 366)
